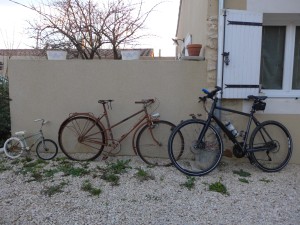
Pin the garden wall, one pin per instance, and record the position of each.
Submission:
(53, 89)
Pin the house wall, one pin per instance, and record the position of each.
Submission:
(53, 89)
(274, 6)
(192, 15)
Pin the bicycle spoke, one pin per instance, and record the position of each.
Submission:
(81, 138)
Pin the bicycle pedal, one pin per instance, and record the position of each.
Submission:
(105, 157)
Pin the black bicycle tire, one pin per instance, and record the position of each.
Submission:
(65, 151)
(161, 161)
(186, 142)
(39, 154)
(289, 144)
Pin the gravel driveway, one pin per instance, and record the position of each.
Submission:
(117, 191)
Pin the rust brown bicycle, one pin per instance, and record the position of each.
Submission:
(83, 136)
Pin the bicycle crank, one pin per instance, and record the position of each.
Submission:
(238, 151)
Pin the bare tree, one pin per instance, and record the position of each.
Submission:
(85, 25)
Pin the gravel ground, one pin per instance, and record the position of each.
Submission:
(145, 195)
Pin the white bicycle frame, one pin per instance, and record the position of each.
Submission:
(21, 136)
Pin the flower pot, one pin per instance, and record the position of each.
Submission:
(194, 49)
(56, 55)
(130, 54)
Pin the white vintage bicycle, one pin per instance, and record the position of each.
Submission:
(45, 149)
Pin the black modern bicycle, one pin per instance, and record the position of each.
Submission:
(268, 146)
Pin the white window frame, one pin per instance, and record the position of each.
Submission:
(289, 53)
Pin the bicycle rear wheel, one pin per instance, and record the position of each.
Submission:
(46, 150)
(81, 138)
(197, 158)
(13, 147)
(273, 135)
(152, 143)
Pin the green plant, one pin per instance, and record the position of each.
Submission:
(265, 180)
(118, 167)
(244, 180)
(110, 177)
(190, 183)
(70, 170)
(49, 191)
(32, 166)
(143, 175)
(5, 125)
(3, 167)
(87, 186)
(218, 187)
(241, 173)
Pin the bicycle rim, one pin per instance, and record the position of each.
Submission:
(196, 160)
(46, 150)
(81, 138)
(152, 143)
(13, 147)
(274, 134)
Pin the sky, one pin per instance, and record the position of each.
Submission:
(161, 24)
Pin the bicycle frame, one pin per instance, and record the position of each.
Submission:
(211, 116)
(108, 131)
(36, 140)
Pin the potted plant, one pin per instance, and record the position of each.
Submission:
(194, 49)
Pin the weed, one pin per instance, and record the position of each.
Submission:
(241, 173)
(69, 170)
(244, 180)
(118, 167)
(32, 166)
(153, 197)
(265, 180)
(190, 183)
(87, 186)
(50, 173)
(143, 175)
(111, 178)
(49, 191)
(3, 167)
(218, 187)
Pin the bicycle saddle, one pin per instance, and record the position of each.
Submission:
(260, 98)
(20, 133)
(105, 101)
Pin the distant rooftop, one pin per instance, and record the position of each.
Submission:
(104, 53)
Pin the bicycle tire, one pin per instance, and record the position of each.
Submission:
(196, 161)
(50, 150)
(152, 143)
(77, 146)
(278, 158)
(13, 147)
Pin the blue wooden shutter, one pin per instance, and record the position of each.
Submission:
(243, 33)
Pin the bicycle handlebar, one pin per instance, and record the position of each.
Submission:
(210, 94)
(43, 121)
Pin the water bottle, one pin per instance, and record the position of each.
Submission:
(231, 128)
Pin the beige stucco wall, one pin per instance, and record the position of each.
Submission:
(192, 15)
(53, 89)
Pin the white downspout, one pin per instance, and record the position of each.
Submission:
(220, 43)
(220, 52)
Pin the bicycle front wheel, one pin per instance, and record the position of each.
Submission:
(13, 147)
(198, 157)
(81, 138)
(276, 137)
(152, 143)
(46, 149)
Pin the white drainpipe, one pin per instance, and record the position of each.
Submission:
(220, 43)
(220, 52)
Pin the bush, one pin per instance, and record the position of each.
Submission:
(5, 127)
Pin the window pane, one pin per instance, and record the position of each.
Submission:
(272, 57)
(296, 74)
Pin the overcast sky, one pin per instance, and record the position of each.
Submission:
(161, 24)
